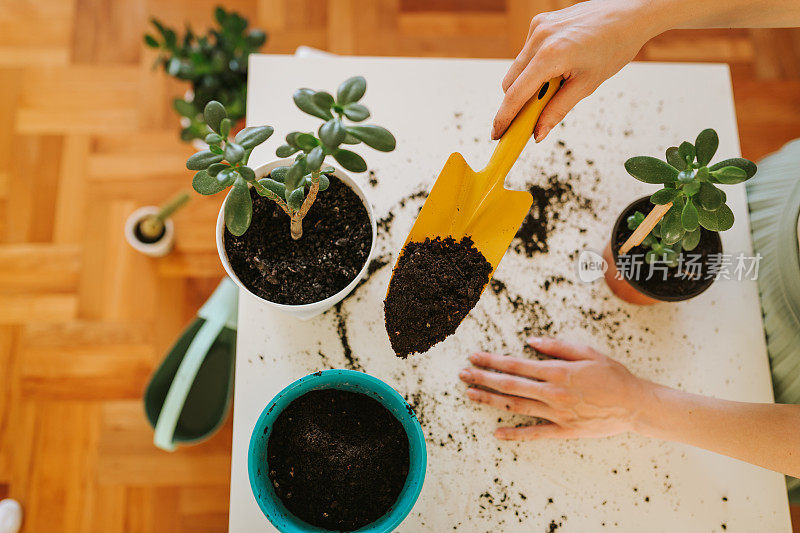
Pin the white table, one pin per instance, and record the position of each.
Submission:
(475, 483)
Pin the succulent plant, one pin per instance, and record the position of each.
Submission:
(224, 164)
(690, 184)
(308, 171)
(657, 250)
(152, 226)
(215, 64)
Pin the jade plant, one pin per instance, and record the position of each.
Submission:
(215, 64)
(297, 185)
(293, 187)
(690, 185)
(224, 164)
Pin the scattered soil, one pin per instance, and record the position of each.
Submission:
(137, 232)
(672, 288)
(337, 459)
(435, 285)
(549, 202)
(337, 237)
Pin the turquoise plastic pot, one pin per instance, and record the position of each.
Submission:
(348, 380)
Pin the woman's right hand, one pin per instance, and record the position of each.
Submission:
(586, 44)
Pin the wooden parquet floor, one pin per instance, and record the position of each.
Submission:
(88, 135)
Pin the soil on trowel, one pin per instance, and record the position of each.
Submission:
(436, 283)
(337, 459)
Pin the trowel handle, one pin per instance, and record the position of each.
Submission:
(519, 132)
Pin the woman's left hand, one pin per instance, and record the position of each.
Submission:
(581, 392)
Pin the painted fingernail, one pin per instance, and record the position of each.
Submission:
(474, 357)
(472, 393)
(541, 134)
(464, 374)
(534, 340)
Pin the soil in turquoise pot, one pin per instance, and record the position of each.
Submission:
(435, 285)
(337, 459)
(337, 237)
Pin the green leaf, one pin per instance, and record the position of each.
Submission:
(294, 176)
(253, 136)
(356, 112)
(674, 158)
(315, 158)
(246, 172)
(635, 220)
(706, 146)
(686, 151)
(729, 175)
(233, 152)
(689, 216)
(691, 188)
(184, 108)
(709, 197)
(214, 169)
(702, 174)
(238, 208)
(296, 198)
(322, 99)
(374, 136)
(349, 139)
(719, 220)
(351, 90)
(285, 150)
(274, 186)
(214, 112)
(332, 133)
(671, 228)
(291, 139)
(304, 99)
(663, 196)
(205, 184)
(650, 170)
(227, 176)
(225, 127)
(691, 240)
(202, 160)
(324, 182)
(150, 41)
(306, 141)
(327, 170)
(213, 138)
(748, 166)
(350, 160)
(216, 149)
(279, 174)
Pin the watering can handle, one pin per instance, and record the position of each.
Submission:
(518, 133)
(219, 311)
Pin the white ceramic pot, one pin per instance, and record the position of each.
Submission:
(304, 311)
(155, 249)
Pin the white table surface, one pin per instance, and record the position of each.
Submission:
(712, 344)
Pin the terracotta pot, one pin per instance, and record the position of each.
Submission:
(632, 291)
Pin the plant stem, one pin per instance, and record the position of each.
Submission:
(172, 205)
(296, 225)
(263, 191)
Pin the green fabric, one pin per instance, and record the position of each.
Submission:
(774, 199)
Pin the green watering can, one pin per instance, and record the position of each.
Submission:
(188, 396)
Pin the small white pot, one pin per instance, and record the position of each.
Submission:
(304, 311)
(159, 248)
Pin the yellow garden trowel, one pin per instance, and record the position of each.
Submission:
(465, 203)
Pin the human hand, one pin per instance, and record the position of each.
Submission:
(586, 44)
(582, 392)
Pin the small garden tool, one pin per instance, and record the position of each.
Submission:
(188, 396)
(465, 203)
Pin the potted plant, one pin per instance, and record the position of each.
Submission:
(673, 253)
(214, 64)
(298, 234)
(337, 450)
(149, 229)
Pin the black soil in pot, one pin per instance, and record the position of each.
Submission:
(677, 286)
(337, 459)
(435, 285)
(337, 237)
